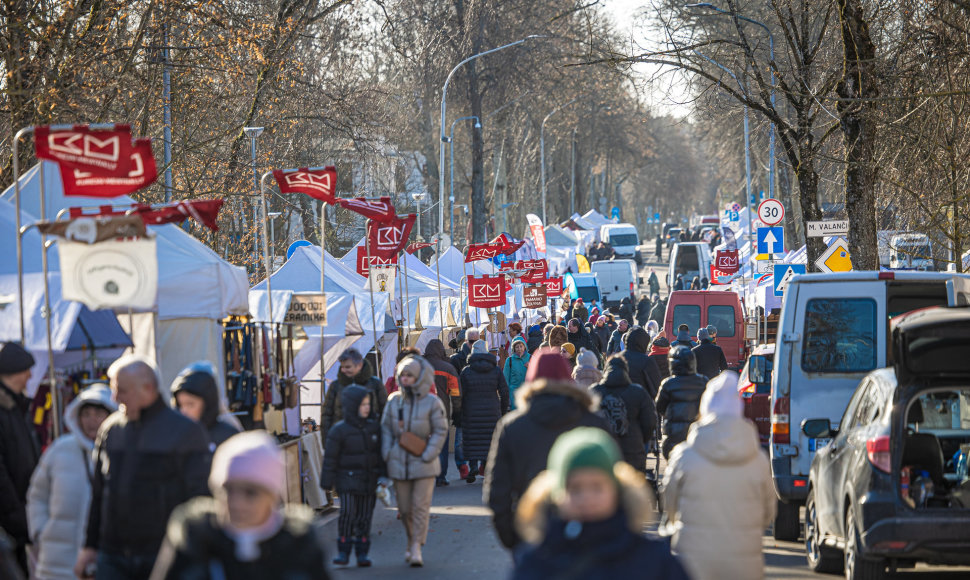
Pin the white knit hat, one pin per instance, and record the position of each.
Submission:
(721, 398)
(253, 457)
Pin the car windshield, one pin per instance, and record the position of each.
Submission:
(623, 240)
(588, 293)
(689, 314)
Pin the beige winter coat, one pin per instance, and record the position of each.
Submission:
(424, 415)
(586, 376)
(719, 499)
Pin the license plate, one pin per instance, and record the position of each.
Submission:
(816, 444)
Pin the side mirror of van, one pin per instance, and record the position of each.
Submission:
(818, 428)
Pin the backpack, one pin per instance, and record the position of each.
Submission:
(613, 409)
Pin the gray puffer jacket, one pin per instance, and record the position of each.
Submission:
(416, 410)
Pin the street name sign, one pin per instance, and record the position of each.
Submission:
(829, 228)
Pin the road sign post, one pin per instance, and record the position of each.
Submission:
(836, 258)
(771, 212)
(783, 274)
(771, 240)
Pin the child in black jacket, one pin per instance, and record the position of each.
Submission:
(353, 465)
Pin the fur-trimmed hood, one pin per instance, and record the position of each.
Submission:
(532, 515)
(528, 391)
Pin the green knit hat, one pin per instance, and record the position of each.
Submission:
(583, 447)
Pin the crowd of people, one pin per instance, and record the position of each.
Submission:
(559, 418)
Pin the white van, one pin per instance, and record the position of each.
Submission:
(617, 279)
(623, 238)
(689, 259)
(910, 251)
(834, 330)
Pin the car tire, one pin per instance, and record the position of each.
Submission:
(821, 559)
(858, 567)
(787, 525)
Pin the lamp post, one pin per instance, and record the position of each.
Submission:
(771, 57)
(253, 133)
(542, 154)
(272, 236)
(418, 198)
(451, 187)
(441, 148)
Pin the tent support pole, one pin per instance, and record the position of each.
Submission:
(269, 273)
(406, 307)
(373, 316)
(441, 305)
(48, 315)
(20, 248)
(323, 261)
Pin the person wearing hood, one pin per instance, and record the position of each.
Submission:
(516, 366)
(586, 371)
(643, 308)
(245, 531)
(390, 384)
(653, 282)
(484, 399)
(414, 428)
(616, 339)
(19, 447)
(626, 310)
(579, 310)
(535, 338)
(683, 337)
(679, 398)
(628, 409)
(195, 394)
(658, 310)
(602, 333)
(718, 493)
(710, 357)
(447, 388)
(548, 405)
(584, 517)
(354, 370)
(60, 489)
(658, 352)
(352, 464)
(579, 336)
(643, 369)
(679, 283)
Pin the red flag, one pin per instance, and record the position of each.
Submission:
(389, 238)
(727, 261)
(380, 211)
(317, 183)
(509, 245)
(90, 184)
(204, 211)
(415, 246)
(553, 286)
(363, 267)
(482, 252)
(486, 291)
(101, 152)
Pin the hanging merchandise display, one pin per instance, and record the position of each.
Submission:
(110, 274)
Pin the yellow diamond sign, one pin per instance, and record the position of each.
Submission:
(836, 258)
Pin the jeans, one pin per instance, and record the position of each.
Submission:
(124, 567)
(443, 461)
(459, 454)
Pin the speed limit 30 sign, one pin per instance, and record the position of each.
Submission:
(771, 212)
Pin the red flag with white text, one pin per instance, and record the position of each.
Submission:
(204, 211)
(318, 183)
(98, 151)
(386, 239)
(363, 267)
(509, 245)
(553, 286)
(415, 246)
(142, 173)
(381, 210)
(482, 252)
(486, 291)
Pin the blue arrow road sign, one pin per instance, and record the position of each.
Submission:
(656, 218)
(771, 240)
(783, 274)
(616, 212)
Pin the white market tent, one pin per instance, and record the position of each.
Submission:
(196, 288)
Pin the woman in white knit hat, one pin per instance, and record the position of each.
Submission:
(245, 530)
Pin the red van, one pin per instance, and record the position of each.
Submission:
(700, 308)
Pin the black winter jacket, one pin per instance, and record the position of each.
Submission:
(710, 359)
(643, 311)
(626, 311)
(658, 311)
(484, 399)
(601, 551)
(352, 461)
(535, 339)
(203, 385)
(616, 342)
(643, 369)
(198, 548)
(19, 452)
(522, 442)
(629, 410)
(445, 378)
(332, 409)
(679, 402)
(602, 333)
(582, 339)
(459, 360)
(143, 469)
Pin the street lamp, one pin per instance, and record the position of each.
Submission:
(771, 57)
(253, 133)
(451, 147)
(542, 154)
(441, 148)
(418, 198)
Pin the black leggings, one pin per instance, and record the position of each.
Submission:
(356, 513)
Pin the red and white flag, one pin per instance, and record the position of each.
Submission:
(318, 183)
(142, 173)
(727, 261)
(538, 233)
(415, 246)
(486, 291)
(363, 266)
(553, 286)
(101, 152)
(381, 210)
(509, 244)
(482, 252)
(386, 239)
(204, 211)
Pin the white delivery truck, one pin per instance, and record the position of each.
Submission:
(617, 279)
(910, 251)
(623, 238)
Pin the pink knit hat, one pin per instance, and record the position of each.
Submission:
(548, 364)
(252, 457)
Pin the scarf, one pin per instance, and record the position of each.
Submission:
(659, 350)
(247, 541)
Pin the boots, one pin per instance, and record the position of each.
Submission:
(344, 547)
(416, 560)
(362, 545)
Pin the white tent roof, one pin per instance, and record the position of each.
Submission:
(418, 284)
(301, 273)
(453, 265)
(596, 218)
(186, 266)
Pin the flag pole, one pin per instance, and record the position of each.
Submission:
(373, 316)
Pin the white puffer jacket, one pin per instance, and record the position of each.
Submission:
(60, 492)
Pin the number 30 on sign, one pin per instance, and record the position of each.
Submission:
(771, 212)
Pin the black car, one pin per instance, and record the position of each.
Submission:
(891, 487)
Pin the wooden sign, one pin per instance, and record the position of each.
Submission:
(534, 296)
(307, 310)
